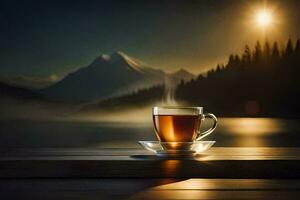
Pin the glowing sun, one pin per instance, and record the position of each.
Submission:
(264, 18)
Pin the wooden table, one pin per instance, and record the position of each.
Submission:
(238, 173)
(160, 189)
(137, 163)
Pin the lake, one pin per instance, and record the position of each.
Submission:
(231, 132)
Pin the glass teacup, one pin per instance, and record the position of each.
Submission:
(177, 127)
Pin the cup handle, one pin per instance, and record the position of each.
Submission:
(209, 131)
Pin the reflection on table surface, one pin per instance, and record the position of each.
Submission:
(149, 189)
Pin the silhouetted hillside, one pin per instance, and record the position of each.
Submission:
(9, 91)
(29, 82)
(262, 82)
(22, 103)
(133, 100)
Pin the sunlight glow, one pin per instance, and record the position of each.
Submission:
(264, 18)
(252, 126)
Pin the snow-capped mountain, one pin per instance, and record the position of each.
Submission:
(110, 75)
(106, 76)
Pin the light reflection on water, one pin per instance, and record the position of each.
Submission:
(231, 132)
(252, 131)
(252, 126)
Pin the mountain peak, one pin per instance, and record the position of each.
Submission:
(132, 63)
(105, 57)
(120, 53)
(116, 56)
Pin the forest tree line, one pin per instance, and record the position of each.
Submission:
(263, 81)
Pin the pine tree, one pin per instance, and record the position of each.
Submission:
(257, 53)
(218, 68)
(267, 51)
(237, 60)
(246, 57)
(230, 61)
(210, 72)
(297, 48)
(200, 77)
(289, 48)
(296, 57)
(275, 52)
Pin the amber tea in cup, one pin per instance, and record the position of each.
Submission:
(180, 124)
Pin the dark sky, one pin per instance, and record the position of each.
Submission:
(53, 37)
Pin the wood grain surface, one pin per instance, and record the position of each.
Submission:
(161, 189)
(218, 162)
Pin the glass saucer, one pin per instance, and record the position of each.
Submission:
(177, 148)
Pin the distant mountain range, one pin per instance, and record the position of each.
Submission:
(22, 103)
(29, 82)
(13, 92)
(108, 75)
(111, 75)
